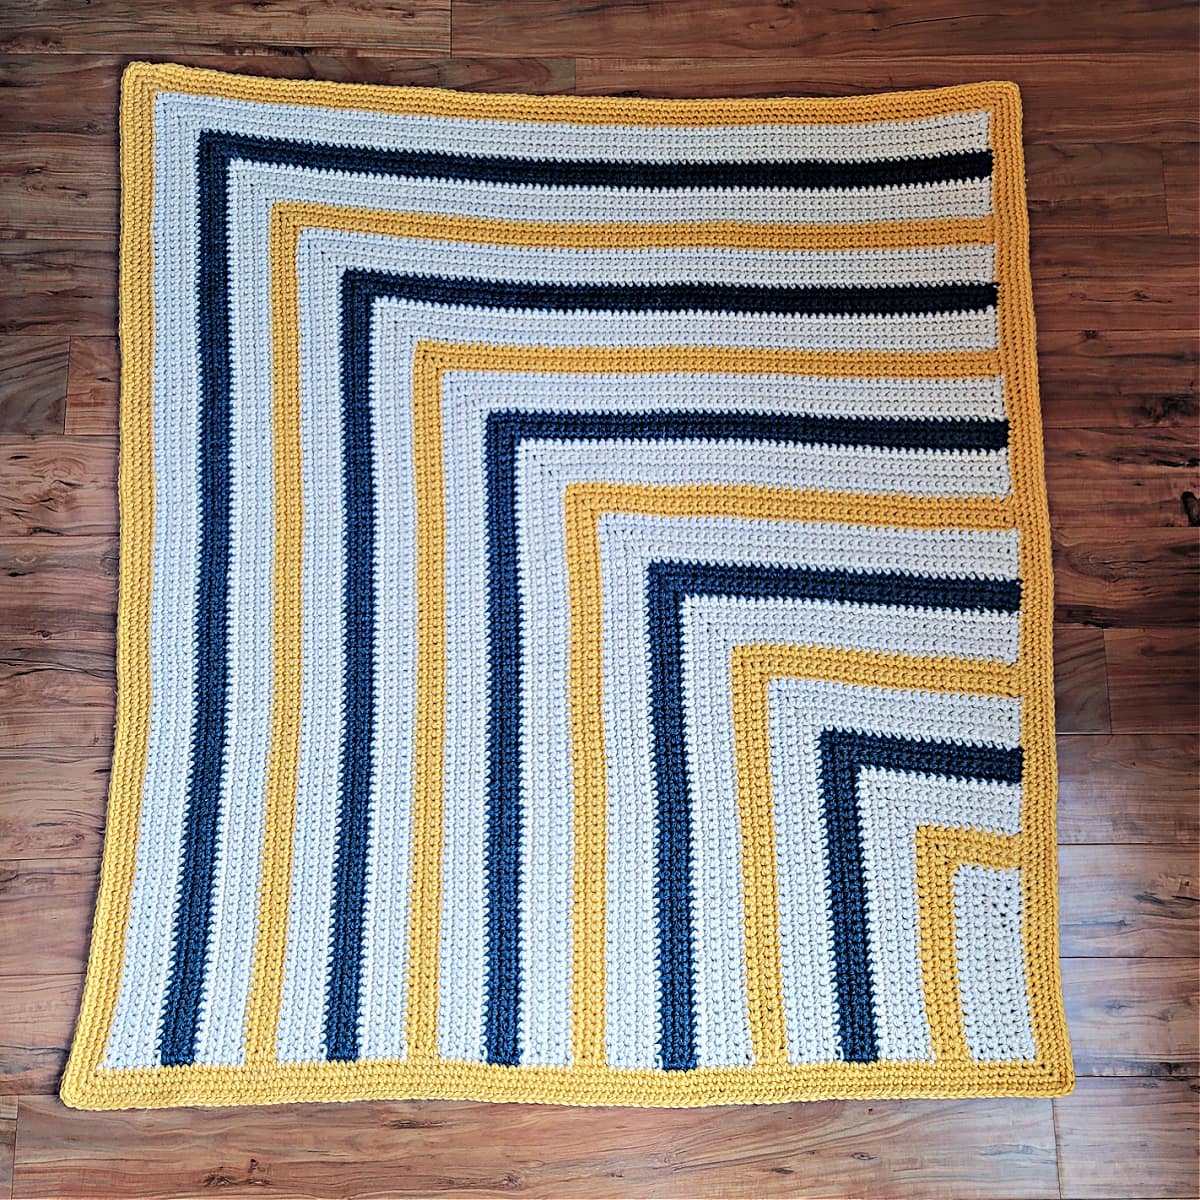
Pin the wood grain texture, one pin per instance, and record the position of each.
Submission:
(1120, 1138)
(1148, 577)
(37, 1018)
(830, 30)
(129, 27)
(1129, 901)
(33, 383)
(1181, 177)
(52, 804)
(92, 378)
(59, 591)
(46, 905)
(1080, 680)
(1111, 128)
(8, 1141)
(903, 1149)
(1139, 787)
(1132, 483)
(1133, 1016)
(57, 486)
(57, 286)
(1067, 97)
(1154, 679)
(53, 93)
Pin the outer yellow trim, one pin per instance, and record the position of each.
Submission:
(575, 110)
(262, 1081)
(1018, 356)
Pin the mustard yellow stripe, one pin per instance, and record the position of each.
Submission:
(1018, 355)
(576, 110)
(135, 486)
(620, 235)
(266, 986)
(425, 890)
(940, 851)
(387, 1078)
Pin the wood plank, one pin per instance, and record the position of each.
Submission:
(77, 93)
(1128, 1137)
(1181, 175)
(33, 383)
(52, 804)
(1154, 679)
(1112, 577)
(1139, 787)
(1080, 680)
(1131, 1016)
(59, 591)
(1142, 281)
(92, 386)
(46, 915)
(928, 1149)
(1128, 901)
(71, 729)
(133, 28)
(1074, 187)
(1064, 96)
(828, 31)
(1144, 376)
(1104, 475)
(47, 678)
(37, 1015)
(8, 1141)
(58, 287)
(58, 185)
(58, 485)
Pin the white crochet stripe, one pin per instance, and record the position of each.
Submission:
(712, 627)
(848, 142)
(819, 395)
(891, 807)
(799, 709)
(991, 962)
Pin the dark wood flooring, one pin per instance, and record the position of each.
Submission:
(1111, 127)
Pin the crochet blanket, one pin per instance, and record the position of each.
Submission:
(585, 603)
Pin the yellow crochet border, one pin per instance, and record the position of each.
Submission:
(262, 1080)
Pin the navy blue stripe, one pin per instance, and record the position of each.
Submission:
(668, 582)
(843, 754)
(887, 300)
(604, 173)
(215, 152)
(358, 682)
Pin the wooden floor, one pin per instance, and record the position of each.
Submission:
(1111, 123)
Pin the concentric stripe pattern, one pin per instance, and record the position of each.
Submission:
(585, 600)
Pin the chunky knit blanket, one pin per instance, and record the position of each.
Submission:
(585, 603)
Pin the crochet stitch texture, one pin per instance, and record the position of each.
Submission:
(585, 603)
